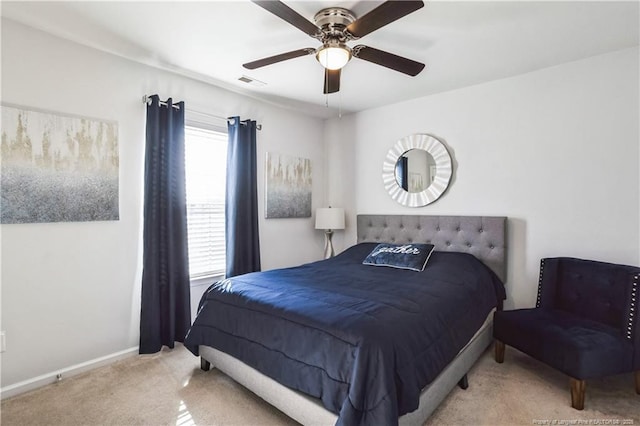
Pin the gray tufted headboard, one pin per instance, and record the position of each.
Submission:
(482, 236)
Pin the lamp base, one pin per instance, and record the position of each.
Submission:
(328, 246)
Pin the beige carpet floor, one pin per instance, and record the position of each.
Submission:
(170, 389)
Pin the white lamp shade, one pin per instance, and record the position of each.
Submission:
(330, 218)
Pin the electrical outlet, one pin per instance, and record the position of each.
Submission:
(3, 342)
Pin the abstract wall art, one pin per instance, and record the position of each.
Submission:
(288, 186)
(57, 168)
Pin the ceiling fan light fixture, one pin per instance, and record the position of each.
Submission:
(333, 56)
(336, 26)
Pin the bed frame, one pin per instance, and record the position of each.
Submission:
(482, 236)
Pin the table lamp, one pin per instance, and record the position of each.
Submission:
(329, 219)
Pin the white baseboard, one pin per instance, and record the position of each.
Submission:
(52, 377)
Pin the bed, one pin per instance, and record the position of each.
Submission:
(338, 342)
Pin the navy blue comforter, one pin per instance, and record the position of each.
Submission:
(363, 339)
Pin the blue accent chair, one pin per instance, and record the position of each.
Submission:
(585, 323)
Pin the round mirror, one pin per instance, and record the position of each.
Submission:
(417, 170)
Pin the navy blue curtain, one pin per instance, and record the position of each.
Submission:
(402, 172)
(165, 314)
(241, 207)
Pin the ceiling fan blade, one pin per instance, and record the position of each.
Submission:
(331, 81)
(283, 11)
(389, 60)
(382, 15)
(279, 58)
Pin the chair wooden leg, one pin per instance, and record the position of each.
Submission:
(499, 351)
(578, 388)
(637, 374)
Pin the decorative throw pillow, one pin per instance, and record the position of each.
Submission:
(402, 256)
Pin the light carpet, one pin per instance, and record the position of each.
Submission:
(170, 389)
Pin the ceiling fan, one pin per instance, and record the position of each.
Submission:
(334, 27)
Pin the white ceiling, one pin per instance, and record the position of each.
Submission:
(461, 43)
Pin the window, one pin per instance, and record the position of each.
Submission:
(205, 173)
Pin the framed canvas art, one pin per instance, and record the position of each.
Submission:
(57, 167)
(288, 192)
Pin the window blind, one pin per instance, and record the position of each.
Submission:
(205, 169)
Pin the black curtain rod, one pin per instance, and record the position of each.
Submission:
(147, 99)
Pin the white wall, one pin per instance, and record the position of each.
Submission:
(70, 291)
(557, 151)
(341, 175)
